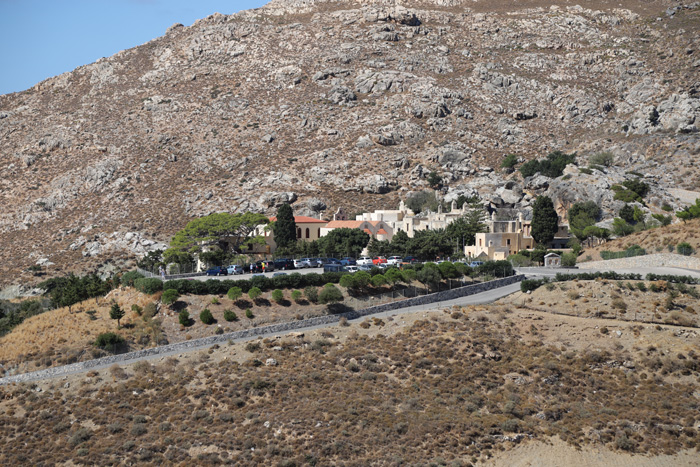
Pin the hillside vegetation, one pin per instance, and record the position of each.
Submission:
(451, 388)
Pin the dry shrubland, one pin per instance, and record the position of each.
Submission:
(450, 389)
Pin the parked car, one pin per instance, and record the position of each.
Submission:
(279, 274)
(364, 261)
(217, 271)
(394, 260)
(352, 268)
(411, 260)
(332, 267)
(348, 261)
(365, 267)
(284, 264)
(378, 260)
(331, 261)
(316, 262)
(258, 266)
(310, 261)
(301, 264)
(475, 264)
(235, 269)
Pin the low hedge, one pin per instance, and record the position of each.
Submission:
(288, 281)
(149, 285)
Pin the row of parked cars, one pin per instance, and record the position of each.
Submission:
(364, 263)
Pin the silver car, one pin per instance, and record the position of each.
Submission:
(235, 269)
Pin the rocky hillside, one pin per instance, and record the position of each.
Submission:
(339, 103)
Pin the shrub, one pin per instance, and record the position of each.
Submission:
(378, 280)
(552, 166)
(148, 285)
(128, 278)
(169, 297)
(136, 309)
(116, 312)
(234, 293)
(149, 311)
(606, 159)
(509, 161)
(230, 315)
(568, 259)
(206, 317)
(249, 314)
(311, 293)
(296, 296)
(254, 293)
(330, 294)
(684, 248)
(278, 296)
(184, 317)
(109, 340)
(619, 304)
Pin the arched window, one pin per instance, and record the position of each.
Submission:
(319, 233)
(298, 232)
(307, 232)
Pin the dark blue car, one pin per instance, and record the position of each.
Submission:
(217, 271)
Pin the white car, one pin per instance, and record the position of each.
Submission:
(351, 268)
(394, 260)
(365, 261)
(302, 263)
(235, 269)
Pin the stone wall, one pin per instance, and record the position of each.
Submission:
(646, 261)
(260, 331)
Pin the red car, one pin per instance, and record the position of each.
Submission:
(378, 259)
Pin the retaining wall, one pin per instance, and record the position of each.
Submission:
(260, 331)
(645, 261)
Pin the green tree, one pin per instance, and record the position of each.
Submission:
(552, 166)
(421, 200)
(220, 229)
(296, 296)
(590, 208)
(169, 297)
(378, 280)
(434, 180)
(429, 244)
(606, 159)
(621, 228)
(116, 312)
(464, 229)
(429, 275)
(448, 270)
(183, 317)
(663, 220)
(399, 243)
(206, 317)
(109, 340)
(690, 212)
(311, 293)
(685, 248)
(545, 221)
(378, 247)
(344, 242)
(254, 293)
(330, 294)
(234, 293)
(509, 161)
(627, 213)
(284, 227)
(230, 315)
(277, 295)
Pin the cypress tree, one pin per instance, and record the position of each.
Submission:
(545, 221)
(284, 228)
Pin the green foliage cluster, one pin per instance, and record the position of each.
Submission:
(532, 284)
(277, 295)
(169, 296)
(545, 221)
(633, 250)
(116, 312)
(284, 227)
(434, 180)
(672, 278)
(206, 317)
(148, 285)
(311, 294)
(422, 200)
(509, 161)
(690, 212)
(630, 191)
(552, 166)
(330, 294)
(129, 277)
(685, 248)
(217, 287)
(13, 314)
(230, 315)
(184, 317)
(605, 159)
(69, 290)
(110, 340)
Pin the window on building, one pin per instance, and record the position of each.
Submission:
(307, 232)
(318, 234)
(299, 232)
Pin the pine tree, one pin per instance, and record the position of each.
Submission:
(545, 221)
(284, 228)
(116, 313)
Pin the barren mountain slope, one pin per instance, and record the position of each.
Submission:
(335, 104)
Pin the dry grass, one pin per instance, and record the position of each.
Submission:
(48, 338)
(654, 240)
(447, 390)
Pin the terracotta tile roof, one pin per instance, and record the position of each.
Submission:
(302, 220)
(344, 224)
(368, 232)
(381, 232)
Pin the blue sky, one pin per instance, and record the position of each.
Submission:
(44, 38)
